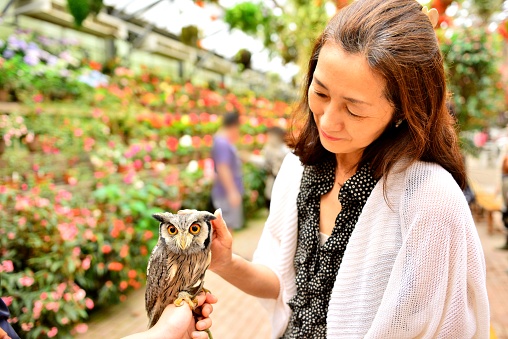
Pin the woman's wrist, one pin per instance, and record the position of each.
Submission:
(226, 269)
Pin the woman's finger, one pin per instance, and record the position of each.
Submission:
(201, 298)
(204, 324)
(219, 225)
(206, 310)
(211, 299)
(199, 335)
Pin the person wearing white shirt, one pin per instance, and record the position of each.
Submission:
(369, 234)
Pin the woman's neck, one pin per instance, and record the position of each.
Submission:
(346, 165)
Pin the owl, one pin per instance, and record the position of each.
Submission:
(178, 262)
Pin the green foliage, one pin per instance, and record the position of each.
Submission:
(485, 8)
(471, 59)
(81, 9)
(254, 197)
(246, 16)
(290, 34)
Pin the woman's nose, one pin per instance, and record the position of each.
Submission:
(331, 120)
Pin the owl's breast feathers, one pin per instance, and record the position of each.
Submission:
(169, 273)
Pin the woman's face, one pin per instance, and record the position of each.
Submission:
(348, 101)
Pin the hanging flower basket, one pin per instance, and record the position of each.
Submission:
(189, 35)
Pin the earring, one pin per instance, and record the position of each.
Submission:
(397, 124)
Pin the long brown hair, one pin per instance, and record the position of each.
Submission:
(400, 44)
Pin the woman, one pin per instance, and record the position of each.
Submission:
(369, 234)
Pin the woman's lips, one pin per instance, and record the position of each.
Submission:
(329, 137)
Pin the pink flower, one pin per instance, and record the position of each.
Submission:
(44, 296)
(78, 132)
(89, 303)
(36, 313)
(38, 98)
(68, 231)
(7, 300)
(81, 328)
(26, 281)
(8, 266)
(22, 221)
(27, 326)
(76, 251)
(65, 321)
(80, 294)
(53, 332)
(53, 306)
(60, 289)
(85, 264)
(11, 235)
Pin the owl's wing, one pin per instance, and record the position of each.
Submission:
(154, 277)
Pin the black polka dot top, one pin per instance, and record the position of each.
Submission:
(317, 265)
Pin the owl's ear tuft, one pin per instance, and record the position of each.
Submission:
(208, 216)
(158, 216)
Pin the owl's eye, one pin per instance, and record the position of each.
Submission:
(194, 229)
(172, 230)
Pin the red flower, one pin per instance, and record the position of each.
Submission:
(132, 274)
(208, 140)
(95, 65)
(124, 251)
(148, 235)
(196, 141)
(115, 266)
(172, 143)
(106, 249)
(123, 285)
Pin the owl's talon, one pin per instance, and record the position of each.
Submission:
(184, 296)
(206, 290)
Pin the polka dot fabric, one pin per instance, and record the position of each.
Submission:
(316, 265)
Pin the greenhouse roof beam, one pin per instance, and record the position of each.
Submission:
(142, 10)
(6, 8)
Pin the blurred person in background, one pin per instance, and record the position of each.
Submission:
(271, 158)
(369, 233)
(228, 188)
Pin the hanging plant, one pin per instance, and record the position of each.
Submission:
(189, 35)
(243, 58)
(81, 9)
(245, 16)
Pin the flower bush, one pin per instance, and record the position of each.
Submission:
(80, 180)
(33, 63)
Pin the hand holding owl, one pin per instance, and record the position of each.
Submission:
(180, 322)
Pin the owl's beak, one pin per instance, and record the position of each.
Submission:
(185, 241)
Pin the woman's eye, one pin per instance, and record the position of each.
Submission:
(321, 95)
(352, 114)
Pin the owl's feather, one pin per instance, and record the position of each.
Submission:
(172, 269)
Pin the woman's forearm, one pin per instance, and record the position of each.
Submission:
(254, 279)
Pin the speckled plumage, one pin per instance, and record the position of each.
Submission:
(179, 261)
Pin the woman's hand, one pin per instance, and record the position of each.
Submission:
(222, 244)
(179, 323)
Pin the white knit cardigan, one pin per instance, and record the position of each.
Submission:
(413, 268)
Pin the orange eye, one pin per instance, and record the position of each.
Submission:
(172, 230)
(194, 229)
